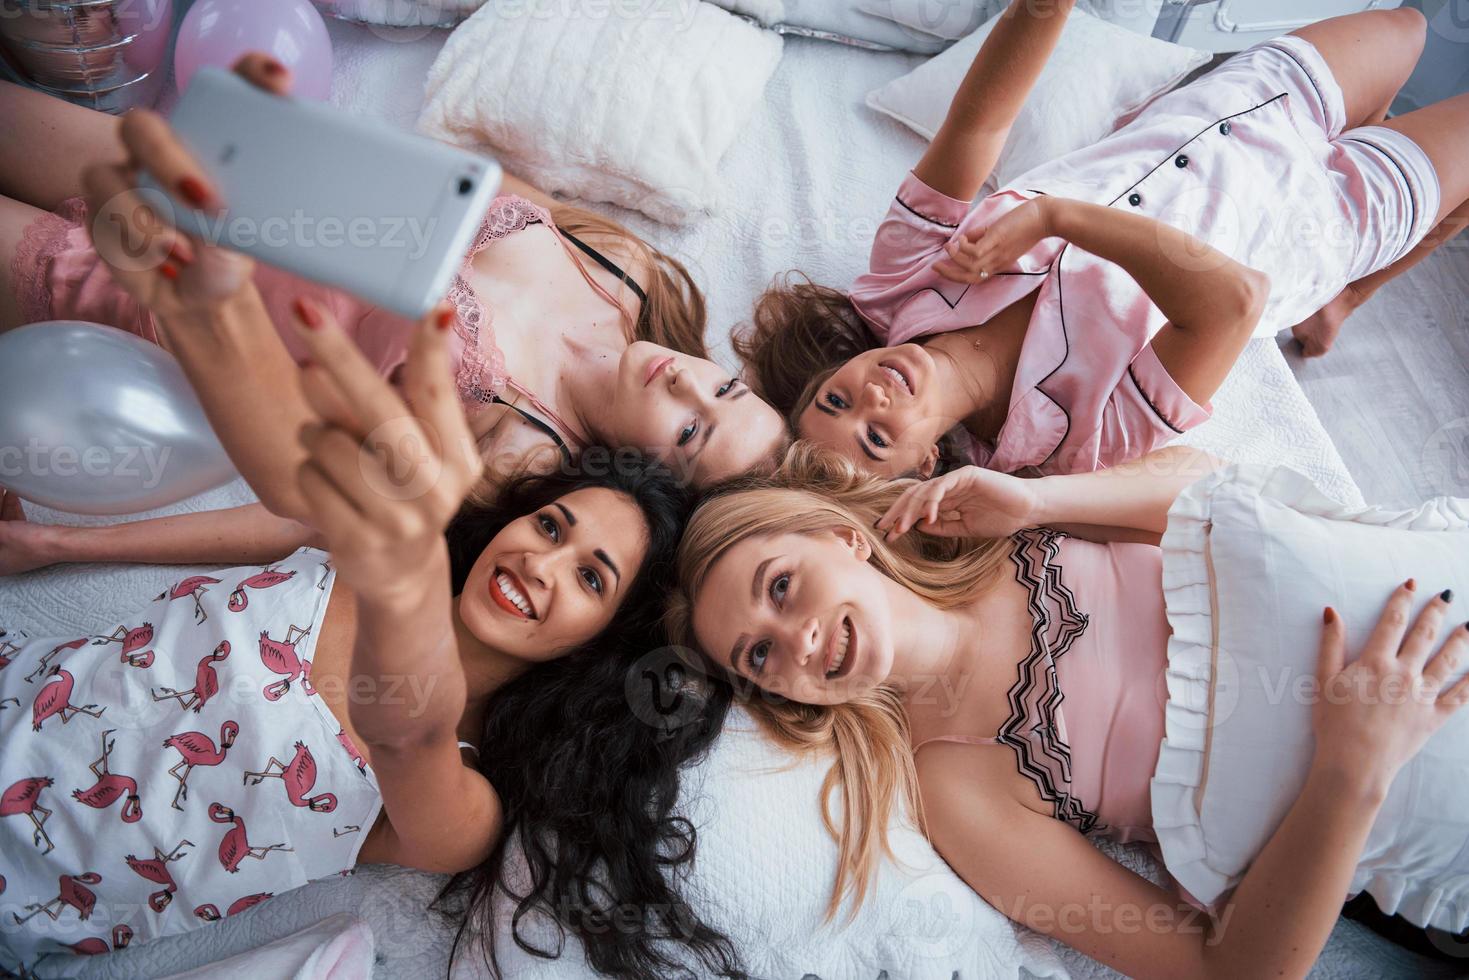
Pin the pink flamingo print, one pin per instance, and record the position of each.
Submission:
(235, 846)
(194, 586)
(263, 579)
(46, 659)
(206, 682)
(54, 699)
(111, 787)
(352, 750)
(132, 641)
(155, 869)
(95, 945)
(197, 749)
(210, 912)
(299, 777)
(280, 657)
(23, 799)
(73, 893)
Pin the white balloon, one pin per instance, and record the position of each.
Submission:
(94, 420)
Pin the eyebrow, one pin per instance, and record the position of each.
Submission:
(759, 577)
(603, 557)
(570, 517)
(739, 394)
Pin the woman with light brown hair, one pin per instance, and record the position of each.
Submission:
(569, 331)
(1000, 682)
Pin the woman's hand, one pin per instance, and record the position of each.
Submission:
(382, 479)
(976, 255)
(968, 502)
(1373, 715)
(166, 270)
(24, 546)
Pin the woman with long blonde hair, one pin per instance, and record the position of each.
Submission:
(568, 331)
(934, 668)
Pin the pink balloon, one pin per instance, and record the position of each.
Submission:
(218, 32)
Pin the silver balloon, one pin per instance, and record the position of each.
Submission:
(94, 420)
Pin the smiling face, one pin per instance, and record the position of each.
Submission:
(552, 580)
(697, 417)
(804, 616)
(880, 411)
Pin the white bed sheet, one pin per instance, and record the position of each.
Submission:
(805, 187)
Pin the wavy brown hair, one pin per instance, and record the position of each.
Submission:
(813, 492)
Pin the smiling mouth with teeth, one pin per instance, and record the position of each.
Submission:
(508, 597)
(839, 652)
(899, 377)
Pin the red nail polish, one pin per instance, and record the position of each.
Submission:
(1410, 585)
(445, 319)
(308, 316)
(168, 270)
(194, 191)
(1328, 616)
(273, 67)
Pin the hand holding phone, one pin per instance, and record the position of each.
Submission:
(350, 203)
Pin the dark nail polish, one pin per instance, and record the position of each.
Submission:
(1328, 615)
(445, 319)
(1447, 595)
(1410, 585)
(194, 191)
(272, 67)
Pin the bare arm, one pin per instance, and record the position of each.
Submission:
(1128, 502)
(968, 144)
(248, 535)
(1040, 872)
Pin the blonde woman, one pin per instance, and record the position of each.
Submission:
(848, 636)
(568, 331)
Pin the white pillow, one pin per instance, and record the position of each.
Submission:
(946, 20)
(1251, 557)
(1097, 76)
(848, 21)
(763, 872)
(632, 103)
(401, 13)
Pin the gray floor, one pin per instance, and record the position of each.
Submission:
(1394, 391)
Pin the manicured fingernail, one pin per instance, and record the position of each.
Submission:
(1447, 595)
(1410, 585)
(194, 191)
(168, 270)
(308, 316)
(1328, 615)
(273, 67)
(445, 319)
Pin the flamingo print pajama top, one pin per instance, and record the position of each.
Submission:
(174, 770)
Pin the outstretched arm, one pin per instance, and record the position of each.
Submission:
(248, 535)
(976, 502)
(1041, 873)
(968, 144)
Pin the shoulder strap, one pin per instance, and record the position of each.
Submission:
(607, 264)
(539, 424)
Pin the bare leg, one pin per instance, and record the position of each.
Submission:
(48, 143)
(1442, 130)
(1371, 55)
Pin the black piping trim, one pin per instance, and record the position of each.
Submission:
(1320, 97)
(1407, 181)
(1150, 401)
(920, 214)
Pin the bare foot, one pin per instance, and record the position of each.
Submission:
(1318, 331)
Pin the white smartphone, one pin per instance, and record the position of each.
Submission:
(348, 202)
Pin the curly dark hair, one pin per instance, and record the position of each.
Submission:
(586, 756)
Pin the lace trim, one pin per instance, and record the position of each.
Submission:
(482, 373)
(1033, 729)
(40, 243)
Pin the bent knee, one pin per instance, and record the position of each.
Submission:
(1411, 25)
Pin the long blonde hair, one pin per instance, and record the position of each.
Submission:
(814, 491)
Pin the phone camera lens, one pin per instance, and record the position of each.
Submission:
(465, 186)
